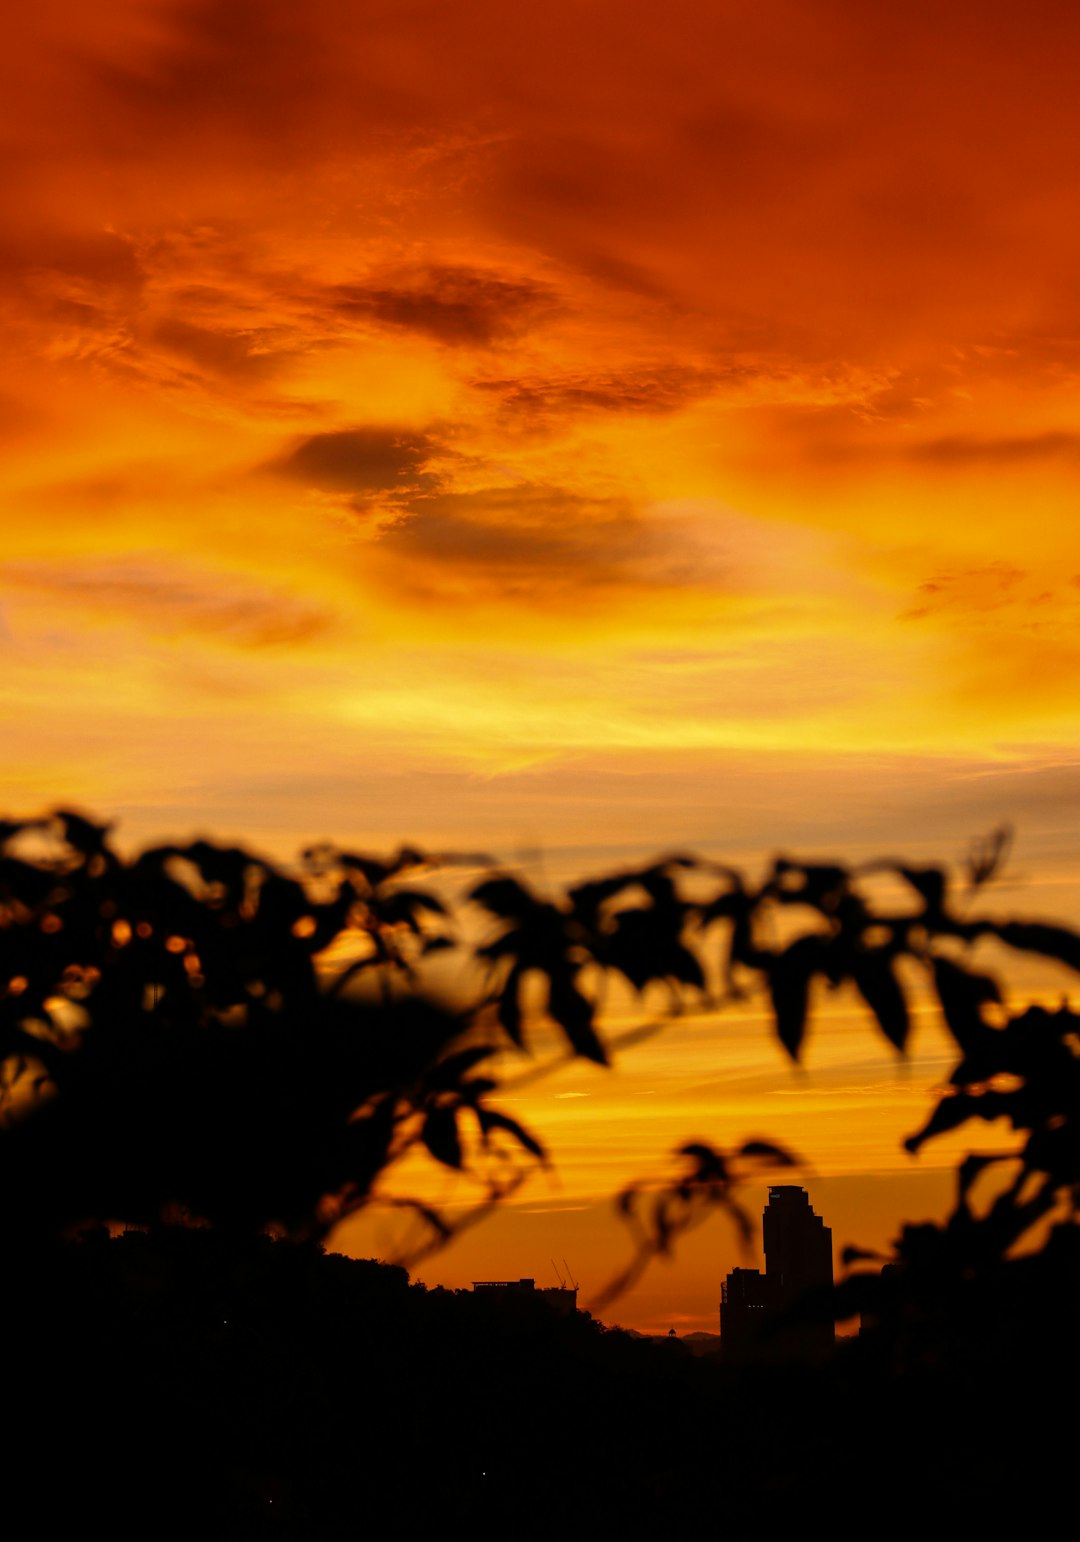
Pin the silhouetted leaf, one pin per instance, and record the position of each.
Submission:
(451, 1071)
(1035, 937)
(504, 897)
(963, 995)
(371, 869)
(987, 856)
(588, 898)
(440, 1136)
(83, 834)
(710, 1162)
(880, 989)
(226, 865)
(574, 1014)
(790, 974)
(491, 1120)
(768, 1152)
(969, 1170)
(509, 1008)
(407, 857)
(957, 1108)
(854, 1255)
(646, 947)
(930, 883)
(819, 885)
(626, 1200)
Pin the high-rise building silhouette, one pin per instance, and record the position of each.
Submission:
(798, 1262)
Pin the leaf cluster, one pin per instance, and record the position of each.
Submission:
(174, 1041)
(198, 1030)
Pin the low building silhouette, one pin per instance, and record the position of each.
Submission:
(773, 1314)
(744, 1301)
(516, 1293)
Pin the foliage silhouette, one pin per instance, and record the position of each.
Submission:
(193, 1031)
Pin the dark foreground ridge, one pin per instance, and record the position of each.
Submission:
(184, 1382)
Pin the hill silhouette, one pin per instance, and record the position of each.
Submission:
(183, 1379)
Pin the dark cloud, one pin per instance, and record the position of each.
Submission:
(533, 543)
(666, 389)
(170, 600)
(524, 526)
(453, 305)
(239, 66)
(99, 258)
(362, 461)
(83, 285)
(228, 353)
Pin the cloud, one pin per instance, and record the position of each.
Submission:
(529, 307)
(546, 546)
(361, 461)
(168, 599)
(455, 305)
(527, 533)
(225, 352)
(975, 591)
(664, 389)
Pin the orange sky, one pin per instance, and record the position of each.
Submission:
(582, 425)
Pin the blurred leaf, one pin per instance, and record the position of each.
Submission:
(958, 1107)
(854, 1255)
(504, 897)
(1051, 941)
(790, 974)
(819, 885)
(645, 946)
(509, 1008)
(710, 1162)
(769, 1152)
(880, 989)
(574, 1014)
(450, 1072)
(83, 834)
(987, 857)
(930, 883)
(491, 1120)
(969, 1170)
(371, 869)
(963, 994)
(440, 1136)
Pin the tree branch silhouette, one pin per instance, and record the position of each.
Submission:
(173, 1039)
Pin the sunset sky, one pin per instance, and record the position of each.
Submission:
(564, 428)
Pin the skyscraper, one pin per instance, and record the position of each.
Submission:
(798, 1244)
(798, 1261)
